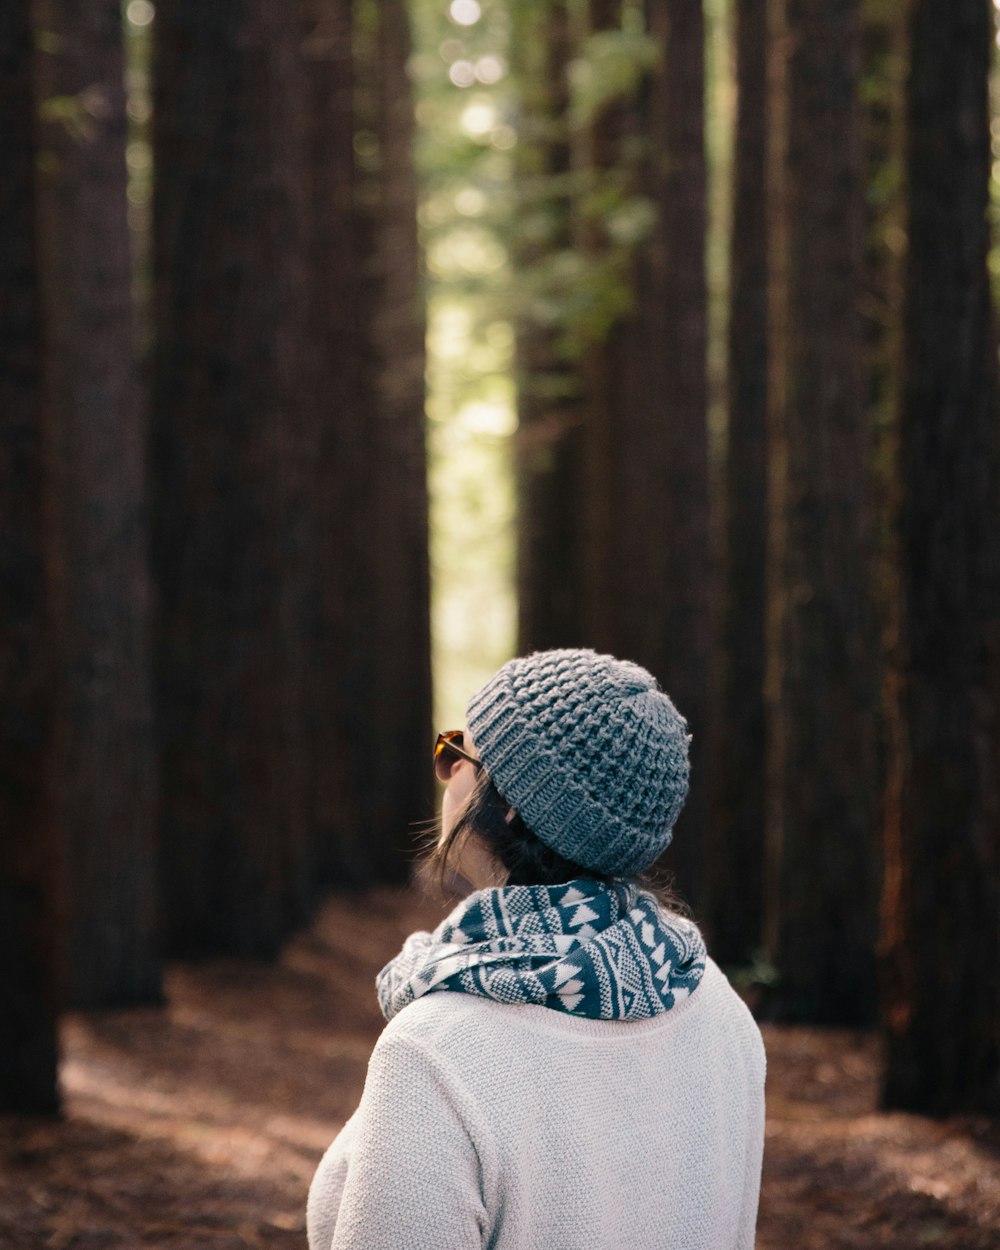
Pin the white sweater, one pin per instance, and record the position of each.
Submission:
(521, 1128)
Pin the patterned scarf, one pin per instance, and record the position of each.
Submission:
(606, 952)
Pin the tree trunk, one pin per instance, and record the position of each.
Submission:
(106, 761)
(600, 156)
(338, 436)
(28, 864)
(822, 874)
(550, 558)
(230, 468)
(941, 899)
(735, 854)
(647, 480)
(398, 701)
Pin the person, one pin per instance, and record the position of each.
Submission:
(564, 1067)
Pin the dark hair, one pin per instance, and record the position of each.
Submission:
(524, 857)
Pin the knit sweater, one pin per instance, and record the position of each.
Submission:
(520, 1128)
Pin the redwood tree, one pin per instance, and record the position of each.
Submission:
(735, 858)
(646, 481)
(229, 469)
(336, 439)
(396, 704)
(941, 901)
(549, 441)
(28, 865)
(821, 820)
(291, 513)
(106, 773)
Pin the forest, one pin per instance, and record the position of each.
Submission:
(350, 347)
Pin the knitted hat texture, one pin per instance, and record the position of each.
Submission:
(590, 751)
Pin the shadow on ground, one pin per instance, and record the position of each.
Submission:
(197, 1126)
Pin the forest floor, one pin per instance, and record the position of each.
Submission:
(197, 1126)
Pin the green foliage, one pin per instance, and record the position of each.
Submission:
(576, 234)
(465, 164)
(47, 41)
(760, 973)
(610, 68)
(579, 297)
(77, 114)
(514, 236)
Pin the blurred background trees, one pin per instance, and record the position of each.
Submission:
(29, 851)
(709, 381)
(94, 413)
(820, 643)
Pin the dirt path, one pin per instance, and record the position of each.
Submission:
(199, 1125)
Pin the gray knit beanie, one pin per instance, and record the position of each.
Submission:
(590, 751)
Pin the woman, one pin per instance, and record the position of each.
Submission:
(563, 1068)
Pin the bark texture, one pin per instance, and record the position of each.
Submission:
(735, 855)
(821, 822)
(230, 469)
(336, 435)
(550, 568)
(649, 580)
(941, 900)
(28, 867)
(107, 783)
(397, 701)
(291, 509)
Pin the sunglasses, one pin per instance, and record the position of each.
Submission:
(448, 749)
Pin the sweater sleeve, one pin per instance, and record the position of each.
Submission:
(756, 1075)
(419, 1165)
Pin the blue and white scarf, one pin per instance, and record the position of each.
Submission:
(607, 952)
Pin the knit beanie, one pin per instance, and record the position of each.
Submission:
(591, 753)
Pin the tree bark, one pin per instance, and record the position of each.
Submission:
(548, 447)
(941, 898)
(337, 435)
(107, 783)
(647, 475)
(28, 864)
(821, 872)
(230, 467)
(398, 702)
(735, 853)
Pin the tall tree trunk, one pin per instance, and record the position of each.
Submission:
(550, 576)
(600, 157)
(822, 872)
(941, 900)
(649, 566)
(735, 858)
(230, 469)
(106, 766)
(28, 864)
(338, 437)
(398, 702)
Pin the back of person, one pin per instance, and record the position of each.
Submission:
(554, 1133)
(564, 1067)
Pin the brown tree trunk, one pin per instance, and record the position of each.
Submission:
(398, 701)
(941, 899)
(550, 557)
(337, 434)
(600, 158)
(647, 482)
(230, 471)
(106, 766)
(735, 854)
(822, 872)
(28, 865)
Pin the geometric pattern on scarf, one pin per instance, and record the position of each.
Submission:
(586, 948)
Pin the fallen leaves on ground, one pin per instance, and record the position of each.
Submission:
(198, 1125)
